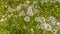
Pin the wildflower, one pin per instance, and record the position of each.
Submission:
(46, 27)
(37, 19)
(40, 19)
(54, 31)
(52, 23)
(29, 11)
(27, 18)
(51, 18)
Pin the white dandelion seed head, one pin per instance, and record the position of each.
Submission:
(27, 18)
(51, 18)
(53, 23)
(54, 31)
(37, 19)
(46, 27)
(40, 19)
(29, 12)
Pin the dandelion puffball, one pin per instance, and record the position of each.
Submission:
(27, 18)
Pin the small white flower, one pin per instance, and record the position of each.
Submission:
(27, 18)
(40, 19)
(53, 23)
(54, 31)
(18, 8)
(37, 19)
(51, 18)
(46, 27)
(29, 11)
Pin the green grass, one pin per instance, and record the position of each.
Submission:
(11, 26)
